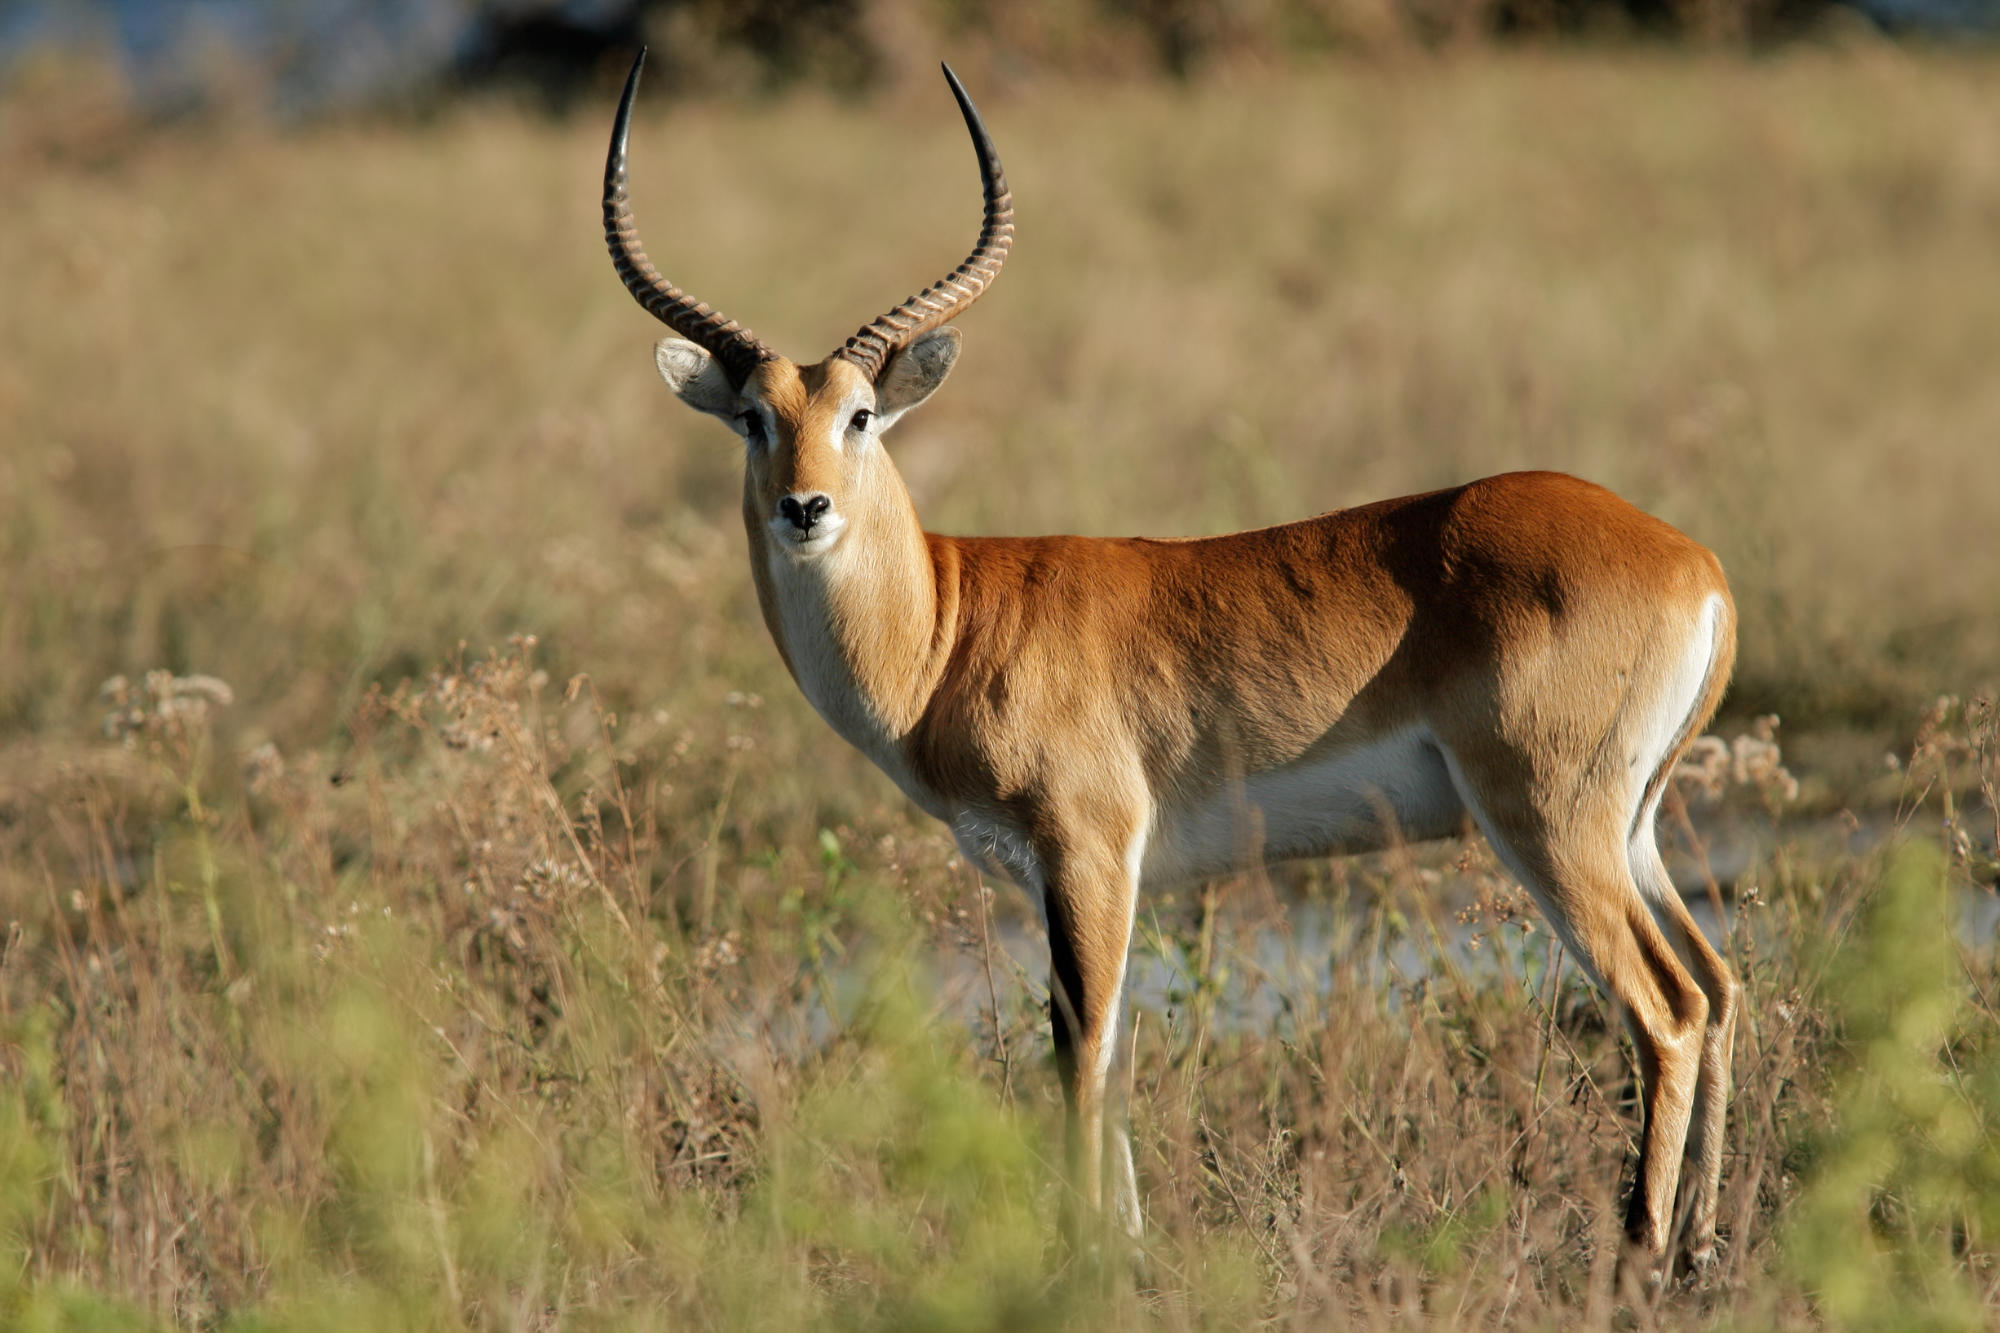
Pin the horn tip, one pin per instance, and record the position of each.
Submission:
(621, 123)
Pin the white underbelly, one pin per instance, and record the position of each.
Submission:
(1357, 800)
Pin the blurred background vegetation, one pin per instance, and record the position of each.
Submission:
(428, 904)
(1755, 292)
(310, 56)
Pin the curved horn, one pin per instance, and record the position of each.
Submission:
(946, 299)
(738, 349)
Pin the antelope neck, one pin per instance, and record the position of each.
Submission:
(862, 627)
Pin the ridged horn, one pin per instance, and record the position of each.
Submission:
(946, 299)
(738, 349)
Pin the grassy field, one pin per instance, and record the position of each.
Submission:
(424, 975)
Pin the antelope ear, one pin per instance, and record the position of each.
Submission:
(697, 378)
(915, 373)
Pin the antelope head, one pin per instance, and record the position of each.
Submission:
(815, 469)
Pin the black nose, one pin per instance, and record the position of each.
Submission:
(804, 511)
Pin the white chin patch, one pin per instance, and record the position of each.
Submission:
(824, 534)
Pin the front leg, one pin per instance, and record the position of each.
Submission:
(1090, 884)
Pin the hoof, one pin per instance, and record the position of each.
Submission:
(1696, 1263)
(1641, 1275)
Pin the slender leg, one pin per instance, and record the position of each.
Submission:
(1616, 939)
(1667, 1014)
(1570, 854)
(1702, 1178)
(1090, 897)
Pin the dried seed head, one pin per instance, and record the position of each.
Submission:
(165, 708)
(1706, 766)
(262, 767)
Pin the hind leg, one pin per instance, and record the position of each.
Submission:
(1569, 851)
(1702, 1174)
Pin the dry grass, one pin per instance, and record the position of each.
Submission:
(493, 1002)
(305, 411)
(478, 1027)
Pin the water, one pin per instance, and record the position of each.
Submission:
(1274, 949)
(317, 54)
(1277, 950)
(311, 54)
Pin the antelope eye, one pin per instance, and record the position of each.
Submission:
(861, 419)
(753, 422)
